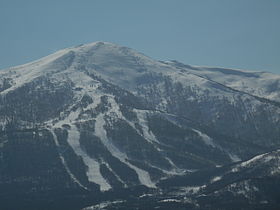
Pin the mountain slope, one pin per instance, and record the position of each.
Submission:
(250, 184)
(262, 84)
(112, 119)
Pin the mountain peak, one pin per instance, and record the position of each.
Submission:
(102, 117)
(126, 67)
(95, 45)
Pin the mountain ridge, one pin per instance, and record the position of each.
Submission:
(70, 53)
(114, 119)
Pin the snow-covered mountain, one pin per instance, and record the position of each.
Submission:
(250, 184)
(101, 118)
(262, 84)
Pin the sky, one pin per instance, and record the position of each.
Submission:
(243, 34)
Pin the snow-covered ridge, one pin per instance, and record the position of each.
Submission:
(236, 178)
(260, 160)
(123, 66)
(258, 83)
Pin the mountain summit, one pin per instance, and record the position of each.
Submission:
(104, 120)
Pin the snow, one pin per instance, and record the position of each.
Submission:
(252, 82)
(147, 133)
(192, 189)
(209, 141)
(170, 200)
(145, 195)
(205, 138)
(93, 172)
(115, 174)
(143, 176)
(234, 157)
(26, 73)
(276, 170)
(215, 179)
(261, 159)
(103, 205)
(258, 157)
(90, 87)
(174, 171)
(72, 176)
(243, 188)
(117, 65)
(124, 71)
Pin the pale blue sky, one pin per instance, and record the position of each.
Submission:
(230, 33)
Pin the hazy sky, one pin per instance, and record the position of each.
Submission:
(229, 33)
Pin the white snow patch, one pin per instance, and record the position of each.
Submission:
(253, 160)
(142, 117)
(145, 195)
(193, 189)
(175, 170)
(103, 205)
(170, 200)
(234, 157)
(262, 158)
(234, 170)
(205, 138)
(215, 179)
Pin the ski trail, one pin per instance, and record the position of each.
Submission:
(93, 172)
(65, 164)
(143, 176)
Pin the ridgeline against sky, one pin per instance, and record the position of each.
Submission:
(235, 34)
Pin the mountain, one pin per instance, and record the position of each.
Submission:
(250, 184)
(101, 122)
